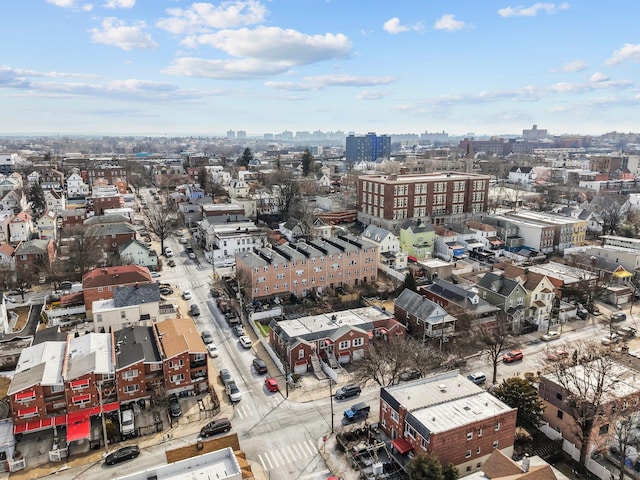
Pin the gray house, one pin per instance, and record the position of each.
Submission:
(506, 294)
(423, 318)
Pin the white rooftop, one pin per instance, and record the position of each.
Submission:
(91, 353)
(51, 354)
(326, 321)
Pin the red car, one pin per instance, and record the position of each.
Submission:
(512, 356)
(271, 384)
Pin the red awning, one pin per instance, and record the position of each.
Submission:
(384, 331)
(81, 398)
(25, 412)
(411, 258)
(26, 395)
(79, 431)
(80, 383)
(401, 445)
(73, 299)
(35, 425)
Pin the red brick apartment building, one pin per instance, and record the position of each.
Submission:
(307, 266)
(99, 283)
(34, 255)
(448, 416)
(106, 174)
(386, 200)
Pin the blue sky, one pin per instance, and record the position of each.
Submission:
(156, 67)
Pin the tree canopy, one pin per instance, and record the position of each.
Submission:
(245, 159)
(425, 467)
(519, 393)
(36, 198)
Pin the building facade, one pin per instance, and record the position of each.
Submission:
(367, 148)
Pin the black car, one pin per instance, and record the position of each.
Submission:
(174, 406)
(215, 293)
(348, 391)
(259, 365)
(194, 310)
(221, 425)
(125, 453)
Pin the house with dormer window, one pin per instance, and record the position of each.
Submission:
(508, 295)
(423, 318)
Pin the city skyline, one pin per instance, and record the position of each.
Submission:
(127, 67)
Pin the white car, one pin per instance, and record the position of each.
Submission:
(547, 337)
(182, 240)
(168, 252)
(213, 350)
(155, 274)
(186, 295)
(245, 341)
(610, 339)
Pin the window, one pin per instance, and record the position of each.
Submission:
(560, 414)
(131, 388)
(497, 427)
(300, 353)
(410, 431)
(129, 374)
(176, 363)
(467, 454)
(468, 468)
(198, 357)
(358, 342)
(81, 400)
(177, 378)
(394, 416)
(469, 436)
(495, 444)
(423, 443)
(479, 432)
(558, 395)
(478, 450)
(57, 388)
(123, 315)
(344, 345)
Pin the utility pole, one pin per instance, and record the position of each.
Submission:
(331, 399)
(104, 425)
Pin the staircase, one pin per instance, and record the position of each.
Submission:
(550, 449)
(317, 369)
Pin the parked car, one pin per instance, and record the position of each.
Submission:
(213, 350)
(168, 252)
(582, 313)
(271, 384)
(233, 391)
(225, 376)
(348, 391)
(357, 411)
(512, 356)
(182, 240)
(207, 338)
(626, 332)
(186, 295)
(165, 291)
(125, 453)
(220, 425)
(259, 366)
(610, 339)
(171, 263)
(245, 341)
(410, 374)
(127, 423)
(238, 330)
(478, 378)
(194, 310)
(618, 317)
(155, 274)
(175, 410)
(555, 355)
(547, 337)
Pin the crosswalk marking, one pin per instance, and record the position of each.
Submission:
(287, 454)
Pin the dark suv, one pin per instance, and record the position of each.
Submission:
(259, 365)
(348, 391)
(221, 425)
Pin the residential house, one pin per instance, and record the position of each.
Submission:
(34, 256)
(226, 236)
(447, 246)
(76, 187)
(293, 229)
(447, 416)
(55, 200)
(502, 467)
(423, 318)
(221, 210)
(135, 252)
(522, 175)
(384, 239)
(99, 283)
(109, 174)
(20, 228)
(14, 201)
(184, 357)
(47, 225)
(51, 178)
(461, 302)
(105, 198)
(612, 277)
(567, 280)
(138, 363)
(506, 294)
(302, 268)
(7, 258)
(5, 220)
(110, 236)
(338, 337)
(417, 239)
(238, 188)
(72, 218)
(487, 235)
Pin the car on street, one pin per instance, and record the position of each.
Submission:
(122, 454)
(233, 391)
(165, 290)
(552, 335)
(225, 376)
(626, 332)
(245, 341)
(512, 356)
(610, 339)
(186, 295)
(168, 252)
(213, 350)
(271, 384)
(220, 425)
(155, 274)
(175, 410)
(478, 378)
(182, 240)
(207, 338)
(259, 366)
(618, 317)
(238, 331)
(171, 263)
(559, 354)
(194, 310)
(348, 391)
(582, 313)
(357, 411)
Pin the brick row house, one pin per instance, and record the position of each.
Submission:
(304, 267)
(99, 283)
(448, 416)
(338, 337)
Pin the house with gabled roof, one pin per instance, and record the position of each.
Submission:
(417, 239)
(20, 228)
(110, 236)
(34, 255)
(7, 258)
(521, 175)
(292, 229)
(47, 225)
(14, 200)
(508, 295)
(55, 200)
(184, 357)
(423, 318)
(135, 252)
(99, 283)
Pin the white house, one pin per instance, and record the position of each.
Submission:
(238, 188)
(135, 253)
(47, 226)
(521, 175)
(384, 239)
(20, 228)
(55, 200)
(76, 186)
(7, 260)
(14, 200)
(223, 240)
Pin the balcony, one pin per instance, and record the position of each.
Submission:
(198, 363)
(166, 309)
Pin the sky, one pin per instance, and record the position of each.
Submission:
(175, 67)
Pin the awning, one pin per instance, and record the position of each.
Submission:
(73, 299)
(622, 274)
(80, 383)
(36, 425)
(28, 395)
(497, 241)
(411, 258)
(401, 445)
(27, 412)
(79, 431)
(383, 331)
(81, 398)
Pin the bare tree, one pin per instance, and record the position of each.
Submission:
(625, 433)
(161, 222)
(586, 377)
(79, 252)
(612, 211)
(494, 341)
(284, 187)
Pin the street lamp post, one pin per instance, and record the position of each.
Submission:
(104, 425)
(331, 400)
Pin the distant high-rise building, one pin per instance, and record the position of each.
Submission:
(268, 136)
(367, 148)
(534, 134)
(231, 134)
(241, 134)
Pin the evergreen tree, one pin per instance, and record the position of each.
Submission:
(246, 158)
(424, 467)
(307, 163)
(410, 282)
(36, 198)
(519, 393)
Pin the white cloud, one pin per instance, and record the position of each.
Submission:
(277, 44)
(62, 3)
(533, 10)
(598, 77)
(225, 69)
(127, 37)
(120, 4)
(372, 95)
(87, 8)
(320, 82)
(201, 17)
(573, 67)
(628, 53)
(394, 27)
(449, 23)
